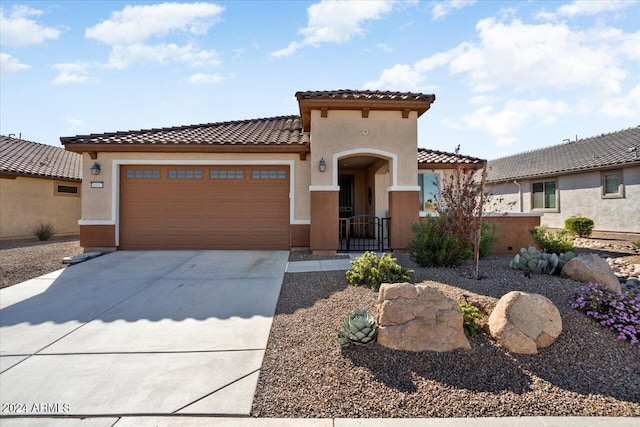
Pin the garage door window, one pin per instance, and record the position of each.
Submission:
(185, 174)
(268, 174)
(226, 174)
(143, 174)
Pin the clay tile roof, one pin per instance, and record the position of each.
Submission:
(606, 150)
(274, 130)
(433, 157)
(26, 158)
(364, 95)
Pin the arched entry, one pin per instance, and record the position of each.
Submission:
(363, 179)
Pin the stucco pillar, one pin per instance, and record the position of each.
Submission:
(324, 221)
(403, 210)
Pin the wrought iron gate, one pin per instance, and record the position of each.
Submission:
(364, 233)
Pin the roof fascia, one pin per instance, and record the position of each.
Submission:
(180, 148)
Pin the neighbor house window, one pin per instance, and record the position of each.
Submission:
(67, 189)
(545, 195)
(612, 185)
(429, 183)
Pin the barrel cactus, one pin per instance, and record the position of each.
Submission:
(358, 328)
(538, 262)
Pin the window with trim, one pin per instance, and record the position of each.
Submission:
(612, 185)
(67, 190)
(545, 195)
(185, 174)
(429, 183)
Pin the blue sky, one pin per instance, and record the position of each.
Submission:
(509, 76)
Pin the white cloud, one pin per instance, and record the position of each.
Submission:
(9, 64)
(73, 72)
(134, 24)
(584, 8)
(128, 32)
(17, 30)
(123, 56)
(202, 78)
(384, 47)
(514, 114)
(441, 9)
(335, 22)
(624, 106)
(76, 125)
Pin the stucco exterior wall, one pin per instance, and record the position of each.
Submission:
(382, 131)
(27, 202)
(581, 194)
(98, 204)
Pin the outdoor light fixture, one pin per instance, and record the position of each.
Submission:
(322, 165)
(95, 169)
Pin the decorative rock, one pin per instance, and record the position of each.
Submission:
(523, 322)
(418, 318)
(591, 268)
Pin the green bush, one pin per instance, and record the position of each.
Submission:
(637, 244)
(369, 270)
(470, 316)
(579, 226)
(431, 247)
(44, 231)
(488, 238)
(557, 243)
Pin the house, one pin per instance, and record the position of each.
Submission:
(597, 177)
(38, 184)
(344, 171)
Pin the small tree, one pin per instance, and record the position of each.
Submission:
(462, 200)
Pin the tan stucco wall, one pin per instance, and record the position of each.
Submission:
(385, 131)
(27, 202)
(580, 194)
(97, 203)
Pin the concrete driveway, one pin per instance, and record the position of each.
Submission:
(149, 332)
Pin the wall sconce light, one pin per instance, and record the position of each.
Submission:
(95, 169)
(322, 165)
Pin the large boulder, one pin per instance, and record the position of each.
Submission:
(418, 318)
(523, 322)
(591, 268)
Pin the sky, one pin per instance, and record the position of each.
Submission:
(508, 76)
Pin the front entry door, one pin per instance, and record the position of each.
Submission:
(346, 195)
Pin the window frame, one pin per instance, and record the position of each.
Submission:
(603, 186)
(440, 176)
(557, 194)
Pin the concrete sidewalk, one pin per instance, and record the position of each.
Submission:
(324, 422)
(318, 265)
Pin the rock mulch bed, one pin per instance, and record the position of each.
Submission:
(586, 372)
(24, 259)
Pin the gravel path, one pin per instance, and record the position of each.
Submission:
(24, 259)
(586, 372)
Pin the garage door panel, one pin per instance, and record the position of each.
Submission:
(204, 213)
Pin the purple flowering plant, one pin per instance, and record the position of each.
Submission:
(618, 311)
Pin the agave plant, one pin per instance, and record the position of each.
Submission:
(358, 328)
(540, 262)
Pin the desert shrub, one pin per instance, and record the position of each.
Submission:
(618, 311)
(431, 246)
(557, 243)
(369, 270)
(470, 316)
(637, 244)
(488, 238)
(44, 231)
(579, 226)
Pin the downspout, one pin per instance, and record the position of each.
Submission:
(519, 193)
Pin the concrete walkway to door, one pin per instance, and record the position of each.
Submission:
(132, 333)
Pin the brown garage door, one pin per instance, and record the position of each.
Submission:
(204, 207)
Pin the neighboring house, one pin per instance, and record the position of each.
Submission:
(597, 177)
(38, 184)
(273, 183)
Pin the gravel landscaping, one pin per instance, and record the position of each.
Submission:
(586, 372)
(24, 259)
